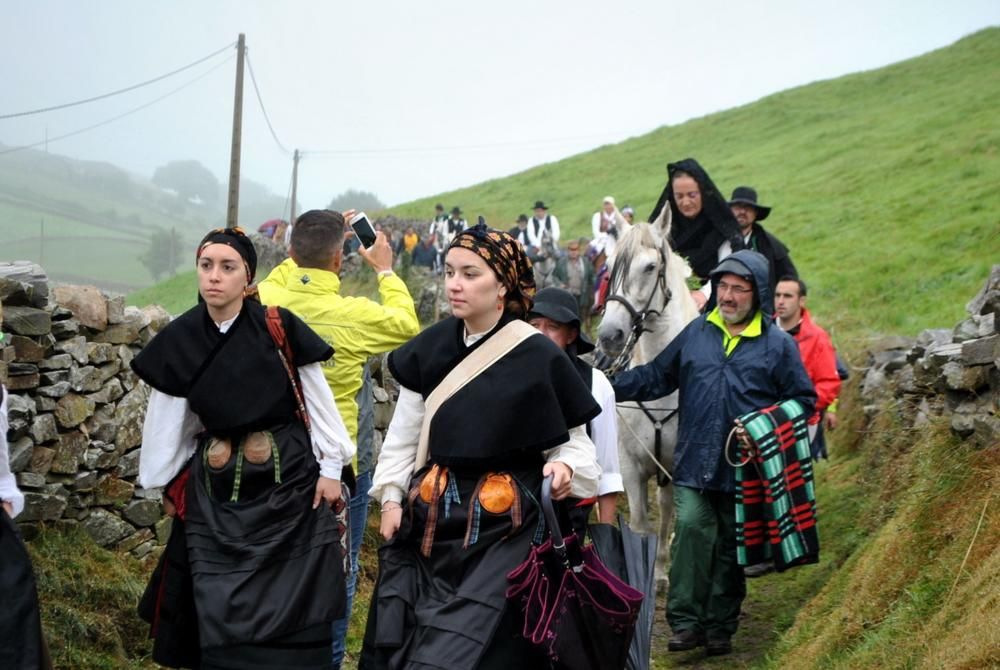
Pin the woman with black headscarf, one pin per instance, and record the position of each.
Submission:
(249, 447)
(703, 229)
(459, 523)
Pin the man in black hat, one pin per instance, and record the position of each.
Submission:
(554, 314)
(520, 230)
(456, 223)
(749, 213)
(541, 223)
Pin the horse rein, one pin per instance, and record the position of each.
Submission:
(638, 326)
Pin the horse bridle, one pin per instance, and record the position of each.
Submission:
(639, 317)
(638, 327)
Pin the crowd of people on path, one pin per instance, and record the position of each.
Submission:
(259, 431)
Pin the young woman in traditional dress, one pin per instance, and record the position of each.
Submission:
(468, 516)
(253, 574)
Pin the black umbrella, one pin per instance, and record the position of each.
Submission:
(572, 606)
(632, 556)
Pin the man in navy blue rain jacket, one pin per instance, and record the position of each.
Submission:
(729, 361)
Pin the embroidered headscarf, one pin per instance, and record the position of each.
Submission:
(507, 259)
(238, 240)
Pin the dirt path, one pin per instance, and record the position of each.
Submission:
(751, 642)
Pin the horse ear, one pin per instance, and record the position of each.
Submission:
(662, 222)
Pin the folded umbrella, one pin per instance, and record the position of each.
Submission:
(632, 557)
(573, 607)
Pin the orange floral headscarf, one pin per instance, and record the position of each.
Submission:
(506, 258)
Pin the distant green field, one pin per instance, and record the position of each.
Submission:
(885, 184)
(175, 295)
(87, 222)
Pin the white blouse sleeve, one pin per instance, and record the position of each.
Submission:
(8, 485)
(399, 450)
(168, 438)
(580, 455)
(331, 442)
(604, 433)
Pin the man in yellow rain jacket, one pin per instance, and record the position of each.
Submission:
(308, 284)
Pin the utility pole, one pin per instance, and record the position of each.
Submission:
(234, 157)
(173, 252)
(295, 186)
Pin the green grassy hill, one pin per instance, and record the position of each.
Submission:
(884, 183)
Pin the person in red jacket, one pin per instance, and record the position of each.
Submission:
(815, 347)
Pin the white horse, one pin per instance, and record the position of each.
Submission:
(648, 305)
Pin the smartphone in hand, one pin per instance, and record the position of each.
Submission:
(363, 229)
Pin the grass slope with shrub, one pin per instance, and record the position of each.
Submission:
(884, 183)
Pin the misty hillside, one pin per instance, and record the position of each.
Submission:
(92, 222)
(883, 183)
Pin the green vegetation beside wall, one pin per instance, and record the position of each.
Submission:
(88, 597)
(922, 587)
(883, 183)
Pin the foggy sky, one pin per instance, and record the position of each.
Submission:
(427, 96)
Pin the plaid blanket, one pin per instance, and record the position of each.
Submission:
(775, 497)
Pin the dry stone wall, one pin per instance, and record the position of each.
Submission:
(76, 409)
(945, 372)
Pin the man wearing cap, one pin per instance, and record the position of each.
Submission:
(748, 215)
(576, 274)
(729, 361)
(605, 226)
(554, 315)
(520, 230)
(541, 222)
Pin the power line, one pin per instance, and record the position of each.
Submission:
(260, 101)
(119, 91)
(120, 116)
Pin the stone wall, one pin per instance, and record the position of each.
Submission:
(945, 372)
(76, 409)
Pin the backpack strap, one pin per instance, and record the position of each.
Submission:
(276, 328)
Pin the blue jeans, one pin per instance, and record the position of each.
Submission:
(358, 520)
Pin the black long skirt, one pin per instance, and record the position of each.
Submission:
(449, 611)
(267, 569)
(21, 644)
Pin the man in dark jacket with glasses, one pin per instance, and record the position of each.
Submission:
(729, 361)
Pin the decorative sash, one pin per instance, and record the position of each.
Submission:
(480, 360)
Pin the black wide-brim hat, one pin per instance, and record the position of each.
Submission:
(457, 211)
(744, 195)
(539, 205)
(560, 306)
